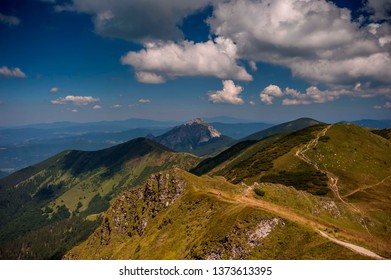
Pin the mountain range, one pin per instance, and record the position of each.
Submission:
(26, 145)
(301, 190)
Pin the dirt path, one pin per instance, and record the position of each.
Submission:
(317, 226)
(367, 187)
(246, 199)
(333, 179)
(355, 248)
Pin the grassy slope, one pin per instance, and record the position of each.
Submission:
(272, 160)
(200, 224)
(360, 159)
(362, 162)
(282, 128)
(75, 184)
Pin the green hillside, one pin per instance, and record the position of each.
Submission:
(176, 215)
(67, 190)
(321, 192)
(270, 160)
(282, 128)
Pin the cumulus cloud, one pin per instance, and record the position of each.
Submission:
(12, 73)
(387, 105)
(97, 107)
(137, 20)
(251, 102)
(229, 94)
(313, 95)
(380, 9)
(74, 110)
(54, 90)
(144, 101)
(149, 78)
(9, 20)
(295, 97)
(213, 58)
(375, 67)
(76, 100)
(317, 40)
(268, 94)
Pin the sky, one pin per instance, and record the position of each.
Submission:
(259, 60)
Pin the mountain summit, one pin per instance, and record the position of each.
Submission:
(196, 136)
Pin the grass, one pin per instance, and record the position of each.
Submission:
(201, 225)
(55, 193)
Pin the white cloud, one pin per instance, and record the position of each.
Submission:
(97, 107)
(144, 101)
(251, 102)
(12, 73)
(317, 40)
(149, 78)
(9, 20)
(268, 94)
(54, 90)
(116, 106)
(387, 105)
(253, 65)
(168, 59)
(375, 67)
(74, 111)
(76, 100)
(311, 95)
(229, 94)
(377, 107)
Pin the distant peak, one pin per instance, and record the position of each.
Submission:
(213, 131)
(197, 121)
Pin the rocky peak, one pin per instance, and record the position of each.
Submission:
(213, 133)
(196, 121)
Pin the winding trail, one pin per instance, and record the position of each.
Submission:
(333, 179)
(246, 198)
(301, 219)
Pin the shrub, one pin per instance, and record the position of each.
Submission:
(259, 192)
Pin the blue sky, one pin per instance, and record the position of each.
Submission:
(271, 61)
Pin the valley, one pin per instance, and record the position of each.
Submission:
(319, 191)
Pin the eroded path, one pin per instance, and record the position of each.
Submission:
(368, 187)
(246, 198)
(287, 213)
(358, 249)
(333, 179)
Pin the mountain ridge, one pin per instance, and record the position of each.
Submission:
(283, 127)
(324, 186)
(70, 189)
